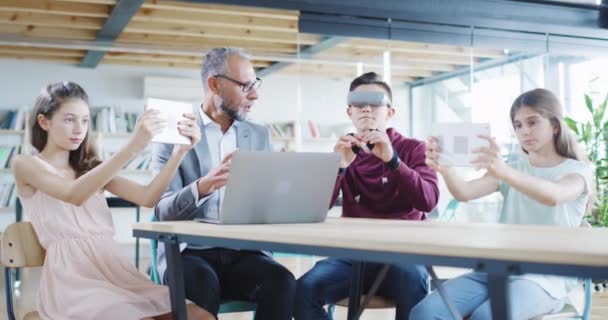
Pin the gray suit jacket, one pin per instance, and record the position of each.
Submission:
(178, 202)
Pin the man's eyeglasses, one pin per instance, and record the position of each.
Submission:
(245, 86)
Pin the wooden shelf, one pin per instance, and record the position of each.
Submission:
(9, 131)
(283, 139)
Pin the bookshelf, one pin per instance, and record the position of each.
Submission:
(110, 128)
(11, 131)
(308, 136)
(14, 137)
(283, 135)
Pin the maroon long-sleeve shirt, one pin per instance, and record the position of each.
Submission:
(370, 189)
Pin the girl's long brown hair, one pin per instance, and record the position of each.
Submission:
(48, 102)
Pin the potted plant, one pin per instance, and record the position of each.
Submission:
(594, 135)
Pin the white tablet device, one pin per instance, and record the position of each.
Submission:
(457, 140)
(172, 111)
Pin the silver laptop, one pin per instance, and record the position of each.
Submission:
(278, 187)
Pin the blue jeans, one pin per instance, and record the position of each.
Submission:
(329, 282)
(469, 293)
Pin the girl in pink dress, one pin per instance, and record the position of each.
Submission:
(84, 275)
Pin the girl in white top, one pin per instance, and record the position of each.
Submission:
(549, 184)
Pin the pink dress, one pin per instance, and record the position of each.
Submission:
(85, 275)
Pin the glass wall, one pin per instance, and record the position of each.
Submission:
(484, 95)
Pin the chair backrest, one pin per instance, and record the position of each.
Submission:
(21, 247)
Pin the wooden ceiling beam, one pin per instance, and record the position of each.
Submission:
(47, 32)
(305, 52)
(344, 74)
(222, 9)
(420, 47)
(54, 7)
(329, 69)
(69, 60)
(107, 2)
(214, 33)
(205, 44)
(168, 58)
(43, 53)
(46, 20)
(204, 19)
(397, 58)
(144, 63)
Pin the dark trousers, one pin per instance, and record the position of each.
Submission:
(329, 282)
(217, 274)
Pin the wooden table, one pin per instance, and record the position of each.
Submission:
(499, 250)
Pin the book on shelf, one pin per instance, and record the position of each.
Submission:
(109, 119)
(313, 128)
(8, 194)
(140, 162)
(7, 154)
(333, 131)
(282, 130)
(13, 119)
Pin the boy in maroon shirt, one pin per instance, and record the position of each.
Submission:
(382, 175)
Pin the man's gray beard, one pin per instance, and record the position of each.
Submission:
(234, 115)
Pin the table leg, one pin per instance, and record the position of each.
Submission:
(354, 298)
(499, 296)
(175, 278)
(137, 216)
(373, 289)
(444, 295)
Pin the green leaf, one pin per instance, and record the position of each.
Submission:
(573, 125)
(598, 117)
(586, 133)
(603, 105)
(589, 103)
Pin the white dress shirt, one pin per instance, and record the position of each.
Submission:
(220, 144)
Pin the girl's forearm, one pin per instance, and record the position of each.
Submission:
(159, 184)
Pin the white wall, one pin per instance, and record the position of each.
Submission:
(21, 81)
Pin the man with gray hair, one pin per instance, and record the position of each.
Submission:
(213, 275)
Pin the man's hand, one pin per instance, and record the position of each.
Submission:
(216, 178)
(344, 147)
(383, 148)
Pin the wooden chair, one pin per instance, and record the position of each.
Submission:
(20, 248)
(376, 302)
